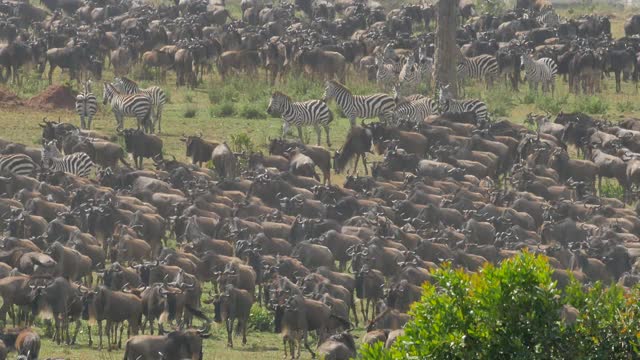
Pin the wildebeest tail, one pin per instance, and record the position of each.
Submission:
(197, 313)
(345, 322)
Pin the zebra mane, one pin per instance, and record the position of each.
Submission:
(337, 84)
(281, 94)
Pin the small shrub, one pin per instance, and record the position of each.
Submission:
(188, 98)
(551, 104)
(528, 98)
(167, 94)
(500, 101)
(591, 105)
(190, 112)
(251, 111)
(242, 143)
(626, 106)
(260, 319)
(612, 189)
(224, 109)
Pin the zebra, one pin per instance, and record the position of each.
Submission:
(448, 105)
(415, 111)
(86, 105)
(542, 71)
(17, 164)
(549, 19)
(479, 67)
(128, 105)
(409, 78)
(157, 95)
(314, 113)
(362, 106)
(387, 68)
(78, 164)
(425, 66)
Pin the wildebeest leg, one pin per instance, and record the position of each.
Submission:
(300, 134)
(108, 331)
(318, 133)
(100, 334)
(354, 310)
(305, 338)
(355, 166)
(244, 332)
(364, 163)
(120, 338)
(284, 345)
(90, 339)
(326, 130)
(229, 332)
(51, 69)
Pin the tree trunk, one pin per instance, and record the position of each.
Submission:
(446, 48)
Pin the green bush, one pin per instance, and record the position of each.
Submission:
(612, 189)
(591, 105)
(188, 97)
(551, 104)
(260, 319)
(626, 106)
(251, 111)
(224, 109)
(500, 101)
(513, 312)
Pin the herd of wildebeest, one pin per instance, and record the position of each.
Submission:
(263, 229)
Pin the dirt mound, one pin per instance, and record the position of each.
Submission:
(8, 98)
(54, 97)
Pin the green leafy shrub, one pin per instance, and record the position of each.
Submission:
(224, 109)
(260, 319)
(591, 105)
(612, 189)
(188, 97)
(625, 106)
(500, 101)
(251, 111)
(551, 104)
(513, 312)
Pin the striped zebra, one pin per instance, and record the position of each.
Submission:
(409, 78)
(157, 95)
(387, 68)
(17, 164)
(415, 111)
(425, 66)
(479, 67)
(79, 163)
(128, 105)
(448, 105)
(359, 106)
(86, 105)
(549, 19)
(314, 113)
(542, 71)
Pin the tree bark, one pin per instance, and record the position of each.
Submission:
(447, 51)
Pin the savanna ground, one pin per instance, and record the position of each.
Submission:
(235, 111)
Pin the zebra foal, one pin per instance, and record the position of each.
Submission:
(542, 71)
(359, 106)
(314, 113)
(128, 105)
(86, 105)
(155, 93)
(79, 164)
(449, 105)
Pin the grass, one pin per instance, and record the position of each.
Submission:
(235, 111)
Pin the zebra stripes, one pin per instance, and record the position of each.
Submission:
(86, 105)
(387, 68)
(549, 19)
(415, 111)
(79, 164)
(314, 113)
(542, 71)
(479, 67)
(409, 78)
(17, 164)
(155, 93)
(448, 105)
(359, 106)
(128, 105)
